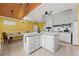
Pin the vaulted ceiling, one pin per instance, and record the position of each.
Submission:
(17, 10)
(36, 15)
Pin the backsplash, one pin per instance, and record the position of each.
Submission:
(62, 28)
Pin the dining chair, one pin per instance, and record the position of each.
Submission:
(6, 38)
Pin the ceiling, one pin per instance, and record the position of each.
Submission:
(36, 14)
(16, 10)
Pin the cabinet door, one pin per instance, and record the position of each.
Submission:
(31, 44)
(68, 37)
(43, 41)
(65, 17)
(36, 42)
(40, 40)
(65, 37)
(62, 37)
(47, 42)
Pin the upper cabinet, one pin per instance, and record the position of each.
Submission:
(64, 17)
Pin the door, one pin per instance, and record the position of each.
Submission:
(62, 37)
(43, 40)
(68, 37)
(47, 42)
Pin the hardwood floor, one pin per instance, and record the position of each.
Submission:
(16, 49)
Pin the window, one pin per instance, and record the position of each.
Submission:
(7, 22)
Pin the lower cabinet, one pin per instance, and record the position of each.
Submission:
(65, 37)
(47, 41)
(50, 42)
(32, 43)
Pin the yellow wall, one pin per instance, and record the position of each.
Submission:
(0, 29)
(25, 26)
(19, 27)
(41, 25)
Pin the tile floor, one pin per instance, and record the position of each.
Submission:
(16, 49)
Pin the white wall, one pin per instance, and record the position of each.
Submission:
(75, 33)
(36, 15)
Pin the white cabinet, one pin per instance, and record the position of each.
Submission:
(75, 33)
(34, 41)
(68, 38)
(37, 42)
(50, 42)
(47, 42)
(62, 37)
(65, 37)
(64, 17)
(31, 43)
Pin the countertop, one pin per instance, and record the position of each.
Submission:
(45, 33)
(30, 34)
(35, 33)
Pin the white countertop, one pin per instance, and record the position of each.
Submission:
(50, 33)
(35, 33)
(30, 34)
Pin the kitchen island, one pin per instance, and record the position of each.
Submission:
(50, 41)
(34, 41)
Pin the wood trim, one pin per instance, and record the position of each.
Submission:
(16, 10)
